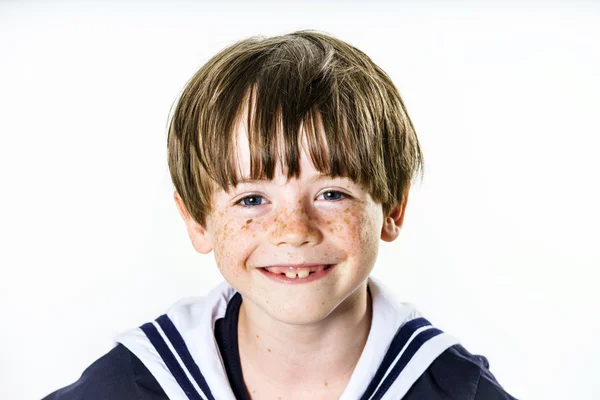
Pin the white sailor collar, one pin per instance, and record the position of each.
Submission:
(180, 350)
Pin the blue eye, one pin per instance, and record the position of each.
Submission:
(336, 195)
(251, 201)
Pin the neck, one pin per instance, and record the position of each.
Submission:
(285, 356)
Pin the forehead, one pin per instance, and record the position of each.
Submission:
(247, 155)
(242, 155)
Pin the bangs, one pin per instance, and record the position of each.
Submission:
(276, 127)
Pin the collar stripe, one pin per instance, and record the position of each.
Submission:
(179, 344)
(399, 341)
(405, 358)
(169, 359)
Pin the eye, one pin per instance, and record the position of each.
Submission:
(250, 201)
(332, 195)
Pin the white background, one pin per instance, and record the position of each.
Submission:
(500, 246)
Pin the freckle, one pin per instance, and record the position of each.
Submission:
(269, 350)
(257, 336)
(329, 222)
(331, 230)
(346, 220)
(347, 210)
(322, 303)
(326, 383)
(249, 221)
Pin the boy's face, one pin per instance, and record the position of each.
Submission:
(310, 220)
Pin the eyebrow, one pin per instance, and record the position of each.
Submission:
(313, 179)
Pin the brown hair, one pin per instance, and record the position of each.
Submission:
(355, 122)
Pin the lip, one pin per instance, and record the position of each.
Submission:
(281, 278)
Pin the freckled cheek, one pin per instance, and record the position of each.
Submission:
(358, 232)
(233, 243)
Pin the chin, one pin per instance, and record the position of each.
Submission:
(300, 316)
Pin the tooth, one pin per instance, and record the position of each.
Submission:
(290, 275)
(303, 273)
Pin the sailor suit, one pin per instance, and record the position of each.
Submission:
(191, 352)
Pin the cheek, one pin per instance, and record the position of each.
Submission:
(360, 225)
(231, 241)
(359, 228)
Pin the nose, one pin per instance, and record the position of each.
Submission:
(294, 227)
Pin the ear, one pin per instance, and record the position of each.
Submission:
(393, 221)
(199, 236)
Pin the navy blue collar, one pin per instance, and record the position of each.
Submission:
(226, 330)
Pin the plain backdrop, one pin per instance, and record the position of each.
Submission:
(500, 246)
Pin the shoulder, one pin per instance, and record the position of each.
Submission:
(458, 375)
(117, 375)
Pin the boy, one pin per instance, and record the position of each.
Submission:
(291, 157)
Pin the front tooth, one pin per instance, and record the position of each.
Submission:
(303, 273)
(290, 275)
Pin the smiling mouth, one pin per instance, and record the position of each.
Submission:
(292, 272)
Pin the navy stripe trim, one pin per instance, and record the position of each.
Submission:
(412, 348)
(165, 353)
(398, 342)
(179, 344)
